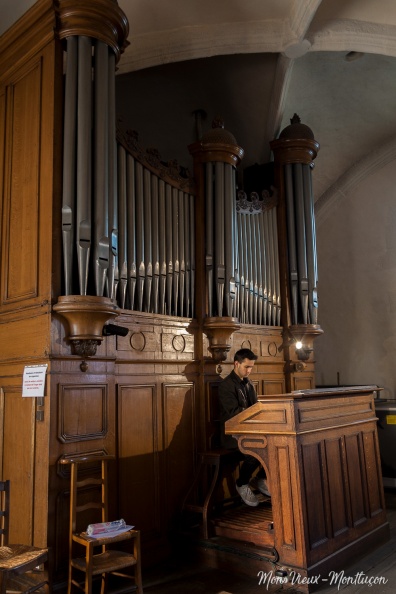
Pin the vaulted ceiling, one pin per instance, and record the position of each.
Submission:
(256, 63)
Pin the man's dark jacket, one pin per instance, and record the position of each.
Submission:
(235, 395)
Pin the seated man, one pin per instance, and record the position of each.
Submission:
(236, 393)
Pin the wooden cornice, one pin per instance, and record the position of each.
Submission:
(99, 19)
(48, 19)
(204, 152)
(295, 150)
(33, 31)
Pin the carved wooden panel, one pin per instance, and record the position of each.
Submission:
(139, 458)
(374, 472)
(336, 485)
(17, 427)
(2, 144)
(283, 475)
(273, 386)
(21, 197)
(82, 412)
(156, 338)
(301, 382)
(337, 473)
(179, 442)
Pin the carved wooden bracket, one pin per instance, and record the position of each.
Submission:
(86, 316)
(306, 334)
(219, 331)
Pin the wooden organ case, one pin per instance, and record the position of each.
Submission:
(191, 271)
(321, 454)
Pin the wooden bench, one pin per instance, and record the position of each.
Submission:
(211, 471)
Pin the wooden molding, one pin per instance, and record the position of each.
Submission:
(219, 331)
(86, 316)
(99, 19)
(295, 150)
(204, 152)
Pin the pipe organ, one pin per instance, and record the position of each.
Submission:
(89, 166)
(173, 259)
(294, 153)
(257, 260)
(156, 233)
(141, 222)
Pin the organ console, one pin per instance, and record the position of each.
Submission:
(320, 450)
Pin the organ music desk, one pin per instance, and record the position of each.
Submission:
(320, 450)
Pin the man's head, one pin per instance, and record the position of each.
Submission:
(243, 362)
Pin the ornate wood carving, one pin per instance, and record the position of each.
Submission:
(219, 331)
(171, 172)
(86, 316)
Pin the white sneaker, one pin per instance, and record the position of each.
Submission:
(247, 495)
(263, 487)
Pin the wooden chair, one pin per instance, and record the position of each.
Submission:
(19, 564)
(84, 485)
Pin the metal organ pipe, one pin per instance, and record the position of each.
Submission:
(301, 241)
(101, 171)
(162, 245)
(187, 246)
(155, 242)
(219, 260)
(175, 249)
(69, 161)
(131, 228)
(141, 266)
(148, 254)
(182, 275)
(89, 208)
(122, 226)
(84, 110)
(112, 271)
(169, 246)
(257, 255)
(258, 260)
(241, 268)
(130, 210)
(292, 244)
(192, 253)
(276, 266)
(229, 214)
(311, 245)
(209, 235)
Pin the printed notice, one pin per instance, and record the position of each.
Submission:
(34, 380)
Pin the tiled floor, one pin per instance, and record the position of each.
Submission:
(374, 573)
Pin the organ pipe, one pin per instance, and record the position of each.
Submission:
(294, 153)
(84, 110)
(69, 161)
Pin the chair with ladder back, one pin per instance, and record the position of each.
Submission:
(89, 496)
(21, 566)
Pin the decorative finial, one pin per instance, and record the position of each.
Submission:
(295, 119)
(218, 122)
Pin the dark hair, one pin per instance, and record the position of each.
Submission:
(243, 354)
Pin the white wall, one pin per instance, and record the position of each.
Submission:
(356, 239)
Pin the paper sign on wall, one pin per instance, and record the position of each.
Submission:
(34, 380)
